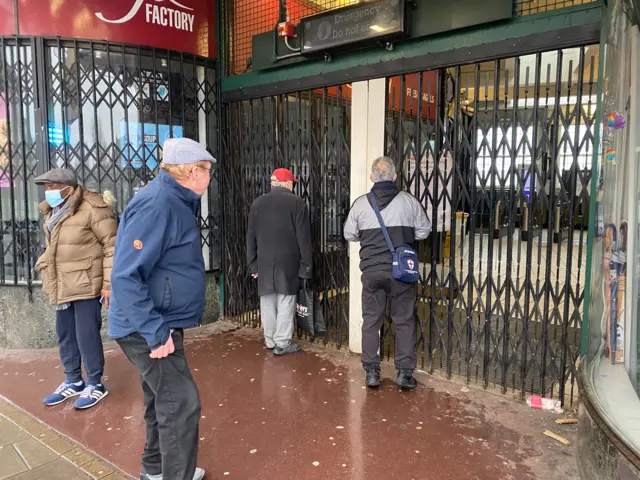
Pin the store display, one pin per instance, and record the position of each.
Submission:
(610, 157)
(599, 214)
(611, 290)
(620, 260)
(615, 266)
(616, 120)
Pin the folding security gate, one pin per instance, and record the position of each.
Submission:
(309, 133)
(102, 110)
(500, 298)
(502, 287)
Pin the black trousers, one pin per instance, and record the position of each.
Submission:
(172, 404)
(78, 329)
(380, 289)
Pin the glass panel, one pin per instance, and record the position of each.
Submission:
(611, 354)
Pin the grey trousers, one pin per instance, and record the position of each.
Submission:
(277, 314)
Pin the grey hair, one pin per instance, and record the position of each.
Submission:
(276, 183)
(383, 170)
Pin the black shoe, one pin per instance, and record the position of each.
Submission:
(372, 378)
(291, 348)
(405, 379)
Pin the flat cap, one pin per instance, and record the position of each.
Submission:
(63, 176)
(183, 151)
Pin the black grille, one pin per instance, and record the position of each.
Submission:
(103, 110)
(514, 139)
(307, 132)
(501, 296)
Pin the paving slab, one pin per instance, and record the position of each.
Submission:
(305, 416)
(58, 470)
(10, 433)
(35, 453)
(11, 463)
(30, 450)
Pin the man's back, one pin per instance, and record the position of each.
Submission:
(275, 224)
(404, 218)
(406, 223)
(279, 241)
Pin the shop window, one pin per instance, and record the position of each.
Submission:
(107, 111)
(611, 361)
(111, 110)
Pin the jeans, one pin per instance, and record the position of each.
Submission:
(79, 341)
(378, 290)
(172, 408)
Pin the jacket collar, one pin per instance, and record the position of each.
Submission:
(75, 200)
(280, 189)
(384, 186)
(188, 196)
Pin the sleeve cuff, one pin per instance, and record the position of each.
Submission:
(163, 339)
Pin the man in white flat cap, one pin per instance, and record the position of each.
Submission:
(157, 290)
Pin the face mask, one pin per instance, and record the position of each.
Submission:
(54, 197)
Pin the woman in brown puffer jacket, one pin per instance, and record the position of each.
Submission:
(80, 231)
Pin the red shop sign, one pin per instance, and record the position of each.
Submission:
(181, 25)
(7, 18)
(411, 94)
(410, 91)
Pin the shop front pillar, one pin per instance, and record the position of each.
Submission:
(367, 144)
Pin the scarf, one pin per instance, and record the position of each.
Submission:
(56, 215)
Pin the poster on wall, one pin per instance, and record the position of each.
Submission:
(4, 147)
(139, 143)
(181, 25)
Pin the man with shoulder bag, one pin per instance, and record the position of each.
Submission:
(388, 224)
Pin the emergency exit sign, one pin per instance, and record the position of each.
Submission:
(353, 25)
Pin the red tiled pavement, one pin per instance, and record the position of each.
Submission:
(305, 408)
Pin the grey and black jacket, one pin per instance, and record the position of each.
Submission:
(406, 221)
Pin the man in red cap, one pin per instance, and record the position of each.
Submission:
(279, 257)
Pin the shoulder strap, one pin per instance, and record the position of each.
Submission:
(374, 204)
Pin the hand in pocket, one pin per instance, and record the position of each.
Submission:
(165, 350)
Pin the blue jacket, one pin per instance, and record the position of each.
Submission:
(158, 276)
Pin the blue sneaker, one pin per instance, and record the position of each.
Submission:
(62, 393)
(91, 395)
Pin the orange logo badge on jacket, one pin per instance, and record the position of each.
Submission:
(137, 244)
